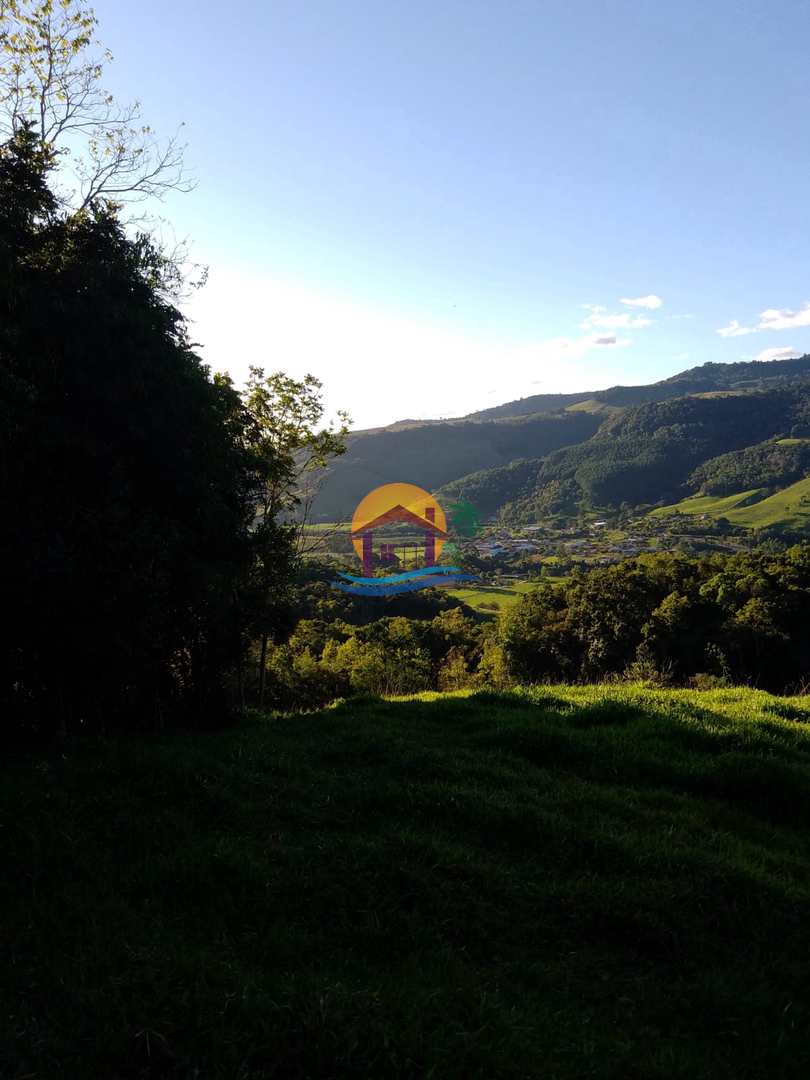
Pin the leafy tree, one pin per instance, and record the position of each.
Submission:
(126, 561)
(51, 70)
(291, 448)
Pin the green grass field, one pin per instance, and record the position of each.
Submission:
(713, 505)
(789, 507)
(593, 405)
(488, 598)
(563, 883)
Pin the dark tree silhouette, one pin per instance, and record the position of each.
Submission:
(127, 478)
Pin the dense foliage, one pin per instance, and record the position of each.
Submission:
(669, 618)
(128, 478)
(434, 454)
(488, 489)
(646, 454)
(772, 464)
(739, 619)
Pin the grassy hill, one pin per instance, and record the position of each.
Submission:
(711, 505)
(569, 451)
(789, 507)
(565, 882)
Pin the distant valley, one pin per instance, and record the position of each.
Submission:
(718, 430)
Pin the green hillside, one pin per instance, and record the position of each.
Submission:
(568, 452)
(789, 508)
(435, 454)
(712, 505)
(651, 452)
(567, 882)
(708, 378)
(772, 464)
(593, 405)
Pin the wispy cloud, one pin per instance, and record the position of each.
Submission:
(599, 318)
(778, 354)
(784, 318)
(735, 330)
(567, 348)
(651, 302)
(770, 319)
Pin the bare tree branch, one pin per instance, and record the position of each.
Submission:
(51, 66)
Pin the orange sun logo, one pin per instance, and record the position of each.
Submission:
(398, 503)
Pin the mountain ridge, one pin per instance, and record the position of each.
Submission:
(544, 453)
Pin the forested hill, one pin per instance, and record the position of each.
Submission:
(746, 375)
(433, 454)
(666, 450)
(560, 453)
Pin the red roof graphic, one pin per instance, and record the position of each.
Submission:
(399, 513)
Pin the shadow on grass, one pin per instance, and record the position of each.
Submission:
(500, 885)
(762, 769)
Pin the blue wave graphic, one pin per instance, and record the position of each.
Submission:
(379, 588)
(407, 576)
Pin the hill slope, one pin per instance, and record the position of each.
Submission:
(745, 375)
(567, 882)
(434, 454)
(789, 507)
(623, 443)
(648, 453)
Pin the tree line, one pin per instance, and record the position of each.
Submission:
(149, 533)
(147, 537)
(668, 619)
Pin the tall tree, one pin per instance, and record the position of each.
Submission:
(292, 448)
(51, 71)
(130, 472)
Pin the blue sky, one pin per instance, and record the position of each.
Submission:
(415, 201)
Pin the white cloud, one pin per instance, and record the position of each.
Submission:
(599, 318)
(651, 302)
(735, 330)
(770, 319)
(777, 354)
(784, 318)
(382, 365)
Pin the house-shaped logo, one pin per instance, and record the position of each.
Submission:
(393, 504)
(399, 504)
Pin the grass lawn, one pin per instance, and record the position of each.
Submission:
(486, 598)
(563, 883)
